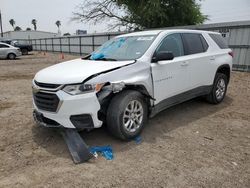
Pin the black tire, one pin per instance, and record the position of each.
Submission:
(24, 51)
(11, 56)
(212, 97)
(116, 114)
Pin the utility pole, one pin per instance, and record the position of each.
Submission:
(1, 24)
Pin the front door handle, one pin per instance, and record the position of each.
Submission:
(212, 58)
(184, 63)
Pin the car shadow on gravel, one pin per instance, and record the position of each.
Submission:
(179, 116)
(50, 140)
(157, 127)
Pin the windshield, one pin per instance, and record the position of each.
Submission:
(123, 48)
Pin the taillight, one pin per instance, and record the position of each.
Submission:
(231, 54)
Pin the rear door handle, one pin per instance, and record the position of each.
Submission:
(184, 63)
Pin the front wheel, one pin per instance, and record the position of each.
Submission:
(11, 56)
(219, 89)
(127, 114)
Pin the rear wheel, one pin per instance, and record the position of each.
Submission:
(219, 89)
(127, 114)
(11, 56)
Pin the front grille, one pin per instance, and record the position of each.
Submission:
(46, 101)
(45, 85)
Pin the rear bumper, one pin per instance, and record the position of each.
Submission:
(74, 111)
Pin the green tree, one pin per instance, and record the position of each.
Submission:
(12, 23)
(34, 23)
(28, 29)
(17, 28)
(140, 14)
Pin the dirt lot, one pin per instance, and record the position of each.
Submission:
(194, 144)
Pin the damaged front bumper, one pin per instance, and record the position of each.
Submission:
(73, 111)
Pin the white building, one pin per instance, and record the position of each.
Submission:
(29, 34)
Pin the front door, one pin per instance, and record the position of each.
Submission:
(170, 77)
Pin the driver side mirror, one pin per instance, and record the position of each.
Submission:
(163, 55)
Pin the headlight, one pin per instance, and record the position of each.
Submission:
(82, 88)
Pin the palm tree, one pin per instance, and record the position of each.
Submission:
(34, 22)
(12, 23)
(58, 24)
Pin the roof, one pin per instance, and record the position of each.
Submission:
(156, 32)
(6, 44)
(139, 33)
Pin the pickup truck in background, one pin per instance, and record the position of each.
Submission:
(25, 48)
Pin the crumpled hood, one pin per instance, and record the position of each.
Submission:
(76, 71)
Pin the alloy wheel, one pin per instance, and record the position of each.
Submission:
(133, 116)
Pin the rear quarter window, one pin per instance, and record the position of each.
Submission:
(193, 43)
(204, 43)
(219, 40)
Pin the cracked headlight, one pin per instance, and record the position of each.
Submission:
(82, 88)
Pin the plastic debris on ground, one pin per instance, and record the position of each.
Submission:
(138, 139)
(106, 151)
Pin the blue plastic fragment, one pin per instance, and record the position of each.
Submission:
(95, 56)
(138, 139)
(106, 151)
(109, 48)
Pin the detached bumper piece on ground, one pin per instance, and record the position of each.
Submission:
(77, 147)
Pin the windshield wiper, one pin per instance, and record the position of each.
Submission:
(106, 59)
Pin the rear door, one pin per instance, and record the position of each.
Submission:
(4, 50)
(170, 76)
(198, 60)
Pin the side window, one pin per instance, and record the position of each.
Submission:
(172, 43)
(219, 40)
(193, 43)
(3, 46)
(204, 43)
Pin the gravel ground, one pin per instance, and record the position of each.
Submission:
(193, 144)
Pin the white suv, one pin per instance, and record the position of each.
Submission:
(132, 77)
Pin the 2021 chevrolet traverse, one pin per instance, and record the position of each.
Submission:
(132, 77)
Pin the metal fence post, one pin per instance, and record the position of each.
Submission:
(35, 44)
(40, 44)
(46, 45)
(52, 42)
(80, 45)
(69, 43)
(93, 42)
(60, 44)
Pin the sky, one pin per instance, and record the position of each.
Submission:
(47, 12)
